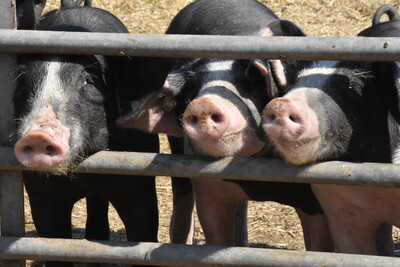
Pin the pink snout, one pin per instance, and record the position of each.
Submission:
(283, 119)
(39, 149)
(204, 118)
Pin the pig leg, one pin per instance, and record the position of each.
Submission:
(51, 210)
(97, 226)
(353, 229)
(181, 228)
(384, 240)
(137, 207)
(217, 204)
(240, 225)
(182, 219)
(350, 239)
(317, 236)
(52, 216)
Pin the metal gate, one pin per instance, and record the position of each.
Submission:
(15, 249)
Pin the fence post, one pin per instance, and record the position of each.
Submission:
(11, 189)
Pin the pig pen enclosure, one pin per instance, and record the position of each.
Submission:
(270, 225)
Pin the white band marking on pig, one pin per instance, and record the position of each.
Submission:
(314, 71)
(48, 93)
(397, 77)
(394, 130)
(222, 65)
(221, 83)
(394, 127)
(319, 75)
(396, 156)
(232, 88)
(330, 69)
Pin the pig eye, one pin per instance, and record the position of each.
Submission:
(354, 94)
(22, 79)
(88, 79)
(355, 88)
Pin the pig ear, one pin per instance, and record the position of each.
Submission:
(282, 27)
(388, 75)
(155, 113)
(283, 71)
(150, 116)
(74, 3)
(260, 68)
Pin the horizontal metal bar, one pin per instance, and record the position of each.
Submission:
(174, 254)
(233, 168)
(182, 46)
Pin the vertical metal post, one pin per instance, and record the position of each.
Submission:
(11, 189)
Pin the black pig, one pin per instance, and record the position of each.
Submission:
(66, 106)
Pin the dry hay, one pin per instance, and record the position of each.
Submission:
(316, 17)
(270, 224)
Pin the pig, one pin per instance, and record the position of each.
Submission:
(97, 227)
(215, 106)
(66, 107)
(339, 111)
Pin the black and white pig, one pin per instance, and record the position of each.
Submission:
(216, 106)
(97, 226)
(339, 111)
(66, 106)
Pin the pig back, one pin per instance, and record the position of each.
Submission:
(222, 17)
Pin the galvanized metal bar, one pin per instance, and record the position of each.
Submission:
(11, 190)
(232, 168)
(159, 45)
(7, 66)
(175, 254)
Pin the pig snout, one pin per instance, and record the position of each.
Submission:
(204, 118)
(293, 128)
(282, 118)
(46, 142)
(217, 128)
(38, 149)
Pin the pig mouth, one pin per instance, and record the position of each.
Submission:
(298, 152)
(220, 147)
(238, 143)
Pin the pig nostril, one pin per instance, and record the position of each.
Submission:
(28, 150)
(193, 120)
(269, 118)
(292, 118)
(216, 118)
(51, 150)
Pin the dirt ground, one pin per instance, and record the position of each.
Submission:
(270, 224)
